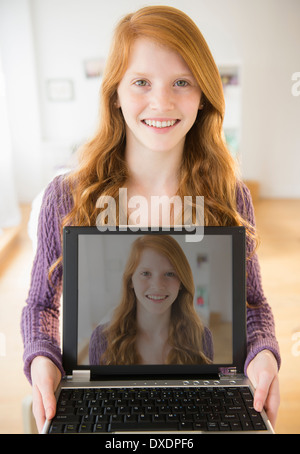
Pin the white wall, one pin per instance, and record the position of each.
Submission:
(262, 36)
(19, 67)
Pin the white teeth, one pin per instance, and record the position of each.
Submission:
(160, 124)
(156, 297)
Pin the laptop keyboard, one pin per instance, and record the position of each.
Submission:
(156, 409)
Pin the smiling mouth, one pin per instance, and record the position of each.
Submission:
(157, 298)
(160, 124)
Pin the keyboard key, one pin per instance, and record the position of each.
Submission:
(230, 417)
(244, 417)
(236, 426)
(71, 428)
(200, 426)
(85, 428)
(235, 408)
(116, 418)
(66, 410)
(213, 417)
(224, 426)
(57, 428)
(90, 419)
(212, 426)
(159, 418)
(247, 425)
(143, 426)
(67, 419)
(131, 419)
(144, 418)
(99, 427)
(82, 411)
(259, 425)
(186, 425)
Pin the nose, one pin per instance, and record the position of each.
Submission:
(158, 281)
(161, 99)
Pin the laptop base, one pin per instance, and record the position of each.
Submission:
(223, 405)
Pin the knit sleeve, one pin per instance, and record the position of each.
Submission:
(40, 316)
(260, 320)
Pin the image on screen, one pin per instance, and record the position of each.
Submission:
(154, 299)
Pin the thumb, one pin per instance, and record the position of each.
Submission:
(49, 401)
(262, 389)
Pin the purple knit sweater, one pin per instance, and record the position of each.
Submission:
(40, 317)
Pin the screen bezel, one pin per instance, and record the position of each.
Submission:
(70, 307)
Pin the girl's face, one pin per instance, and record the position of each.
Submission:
(155, 282)
(159, 98)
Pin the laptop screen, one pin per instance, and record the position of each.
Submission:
(153, 298)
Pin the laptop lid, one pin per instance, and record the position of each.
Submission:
(94, 264)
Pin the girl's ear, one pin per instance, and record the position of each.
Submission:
(202, 102)
(117, 103)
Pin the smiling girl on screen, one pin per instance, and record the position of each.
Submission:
(160, 133)
(155, 322)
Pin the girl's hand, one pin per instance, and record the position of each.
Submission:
(45, 379)
(263, 373)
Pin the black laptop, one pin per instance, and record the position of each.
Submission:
(154, 333)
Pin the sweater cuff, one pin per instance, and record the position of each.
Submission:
(41, 348)
(260, 346)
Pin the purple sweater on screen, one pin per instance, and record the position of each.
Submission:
(40, 316)
(98, 344)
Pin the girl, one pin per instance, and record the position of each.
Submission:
(155, 322)
(160, 133)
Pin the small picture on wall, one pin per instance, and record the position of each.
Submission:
(60, 90)
(94, 67)
(201, 296)
(201, 258)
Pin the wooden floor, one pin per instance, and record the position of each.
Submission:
(278, 224)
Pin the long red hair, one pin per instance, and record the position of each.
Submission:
(207, 167)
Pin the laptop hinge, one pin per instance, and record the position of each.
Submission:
(81, 375)
(227, 371)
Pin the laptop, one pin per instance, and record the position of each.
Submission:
(154, 333)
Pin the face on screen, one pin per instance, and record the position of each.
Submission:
(155, 283)
(158, 300)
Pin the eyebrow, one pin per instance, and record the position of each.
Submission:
(146, 74)
(147, 267)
